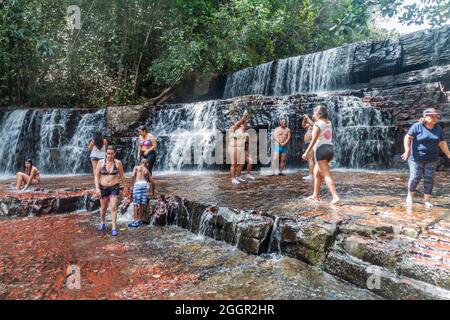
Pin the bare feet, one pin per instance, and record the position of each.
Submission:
(314, 198)
(335, 200)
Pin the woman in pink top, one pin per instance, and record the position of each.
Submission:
(322, 144)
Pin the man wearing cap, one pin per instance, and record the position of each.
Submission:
(422, 144)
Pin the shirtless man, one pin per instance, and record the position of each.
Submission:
(308, 124)
(282, 136)
(141, 176)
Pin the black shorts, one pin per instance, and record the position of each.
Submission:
(151, 157)
(324, 152)
(108, 192)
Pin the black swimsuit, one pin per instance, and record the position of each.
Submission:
(113, 191)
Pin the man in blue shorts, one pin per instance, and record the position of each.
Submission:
(282, 136)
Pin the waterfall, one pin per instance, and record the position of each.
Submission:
(254, 80)
(179, 129)
(274, 239)
(10, 133)
(316, 72)
(55, 139)
(363, 136)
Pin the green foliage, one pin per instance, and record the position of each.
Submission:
(129, 50)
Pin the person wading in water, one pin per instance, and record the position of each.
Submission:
(422, 144)
(321, 143)
(107, 175)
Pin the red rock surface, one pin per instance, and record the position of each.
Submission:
(35, 253)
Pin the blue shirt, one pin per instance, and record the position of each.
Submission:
(425, 143)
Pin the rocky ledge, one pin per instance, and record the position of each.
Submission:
(37, 202)
(371, 240)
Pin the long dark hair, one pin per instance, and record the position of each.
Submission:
(28, 171)
(98, 140)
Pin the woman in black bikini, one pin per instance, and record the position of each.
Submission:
(30, 176)
(146, 147)
(107, 175)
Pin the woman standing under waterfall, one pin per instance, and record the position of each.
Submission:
(425, 138)
(107, 175)
(321, 143)
(146, 147)
(236, 148)
(30, 175)
(97, 146)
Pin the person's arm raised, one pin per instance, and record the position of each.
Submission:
(91, 145)
(240, 122)
(305, 122)
(315, 136)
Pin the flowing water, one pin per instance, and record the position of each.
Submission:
(55, 139)
(321, 71)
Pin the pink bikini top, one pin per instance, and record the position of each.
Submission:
(145, 143)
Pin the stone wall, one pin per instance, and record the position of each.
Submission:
(377, 256)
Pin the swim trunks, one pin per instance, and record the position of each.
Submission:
(280, 149)
(140, 193)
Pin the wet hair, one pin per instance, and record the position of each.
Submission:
(283, 119)
(98, 140)
(321, 111)
(142, 128)
(144, 162)
(111, 147)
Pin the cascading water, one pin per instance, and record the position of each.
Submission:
(363, 136)
(320, 71)
(187, 133)
(56, 139)
(255, 80)
(181, 128)
(10, 132)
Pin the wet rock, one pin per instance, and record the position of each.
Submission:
(253, 233)
(423, 269)
(122, 120)
(377, 252)
(46, 202)
(380, 280)
(307, 240)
